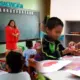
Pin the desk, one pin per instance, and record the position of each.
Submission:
(61, 75)
(75, 62)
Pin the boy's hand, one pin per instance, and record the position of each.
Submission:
(67, 50)
(77, 53)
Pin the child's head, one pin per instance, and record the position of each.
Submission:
(54, 27)
(37, 46)
(15, 62)
(29, 44)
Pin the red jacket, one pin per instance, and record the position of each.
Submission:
(11, 41)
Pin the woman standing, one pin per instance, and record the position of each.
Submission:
(12, 36)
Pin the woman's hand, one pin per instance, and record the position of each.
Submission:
(15, 35)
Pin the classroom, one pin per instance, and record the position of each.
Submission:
(39, 40)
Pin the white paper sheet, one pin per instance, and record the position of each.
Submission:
(75, 72)
(53, 67)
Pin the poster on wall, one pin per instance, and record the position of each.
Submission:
(11, 4)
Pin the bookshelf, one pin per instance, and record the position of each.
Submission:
(72, 32)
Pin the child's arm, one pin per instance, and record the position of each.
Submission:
(70, 49)
(67, 50)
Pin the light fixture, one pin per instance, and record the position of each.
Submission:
(19, 11)
(16, 11)
(13, 11)
(32, 12)
(0, 9)
(22, 12)
(27, 12)
(4, 10)
(10, 10)
(7, 10)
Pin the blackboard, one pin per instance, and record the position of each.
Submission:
(26, 20)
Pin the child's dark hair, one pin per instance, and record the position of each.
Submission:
(39, 41)
(14, 23)
(53, 22)
(15, 61)
(29, 44)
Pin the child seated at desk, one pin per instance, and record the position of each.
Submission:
(14, 64)
(29, 52)
(51, 47)
(37, 46)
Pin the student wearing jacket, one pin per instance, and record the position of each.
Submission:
(51, 46)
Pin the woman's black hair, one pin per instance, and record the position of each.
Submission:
(10, 22)
(54, 22)
(15, 61)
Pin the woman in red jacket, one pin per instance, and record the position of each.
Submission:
(12, 36)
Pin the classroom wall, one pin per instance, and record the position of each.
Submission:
(65, 9)
(47, 7)
(37, 5)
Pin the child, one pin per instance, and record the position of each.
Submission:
(29, 52)
(14, 64)
(38, 56)
(51, 47)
